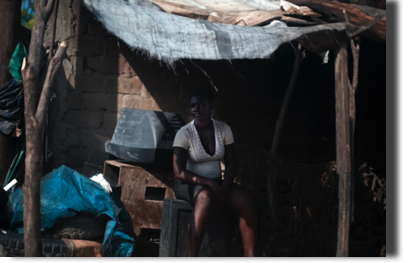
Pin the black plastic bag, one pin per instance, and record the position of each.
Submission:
(11, 105)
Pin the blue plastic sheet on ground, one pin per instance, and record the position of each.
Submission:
(66, 193)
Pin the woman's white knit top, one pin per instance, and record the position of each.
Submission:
(199, 161)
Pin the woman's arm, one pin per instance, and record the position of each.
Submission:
(180, 156)
(229, 162)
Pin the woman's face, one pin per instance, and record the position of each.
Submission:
(200, 108)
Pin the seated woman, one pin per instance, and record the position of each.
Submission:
(198, 148)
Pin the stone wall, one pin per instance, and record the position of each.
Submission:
(102, 75)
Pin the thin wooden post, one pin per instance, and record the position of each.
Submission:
(36, 99)
(288, 95)
(343, 143)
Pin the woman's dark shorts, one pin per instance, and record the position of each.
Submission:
(186, 191)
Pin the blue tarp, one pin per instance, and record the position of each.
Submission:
(66, 193)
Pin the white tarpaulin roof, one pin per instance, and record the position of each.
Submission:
(170, 37)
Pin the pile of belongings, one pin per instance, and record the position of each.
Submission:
(65, 194)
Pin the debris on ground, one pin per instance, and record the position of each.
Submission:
(65, 194)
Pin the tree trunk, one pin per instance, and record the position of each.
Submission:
(36, 99)
(9, 37)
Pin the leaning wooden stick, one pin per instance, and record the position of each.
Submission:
(280, 120)
(34, 141)
(51, 75)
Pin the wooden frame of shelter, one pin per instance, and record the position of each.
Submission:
(38, 91)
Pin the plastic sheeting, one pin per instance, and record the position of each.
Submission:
(170, 37)
(11, 105)
(15, 63)
(11, 94)
(66, 193)
(17, 168)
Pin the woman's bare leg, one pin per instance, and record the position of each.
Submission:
(243, 204)
(198, 222)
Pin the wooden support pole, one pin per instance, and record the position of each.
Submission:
(355, 49)
(36, 101)
(343, 143)
(288, 95)
(34, 142)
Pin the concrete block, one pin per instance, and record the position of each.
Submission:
(83, 119)
(67, 66)
(96, 28)
(109, 102)
(172, 105)
(90, 45)
(124, 85)
(75, 8)
(117, 47)
(76, 156)
(89, 136)
(110, 120)
(112, 47)
(107, 65)
(163, 88)
(77, 64)
(145, 69)
(64, 22)
(137, 102)
(91, 83)
(75, 100)
(96, 156)
(71, 50)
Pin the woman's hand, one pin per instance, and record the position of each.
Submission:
(218, 192)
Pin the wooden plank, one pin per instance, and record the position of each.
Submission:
(135, 181)
(343, 143)
(355, 15)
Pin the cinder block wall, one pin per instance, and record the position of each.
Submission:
(102, 75)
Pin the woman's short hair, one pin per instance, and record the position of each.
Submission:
(203, 93)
